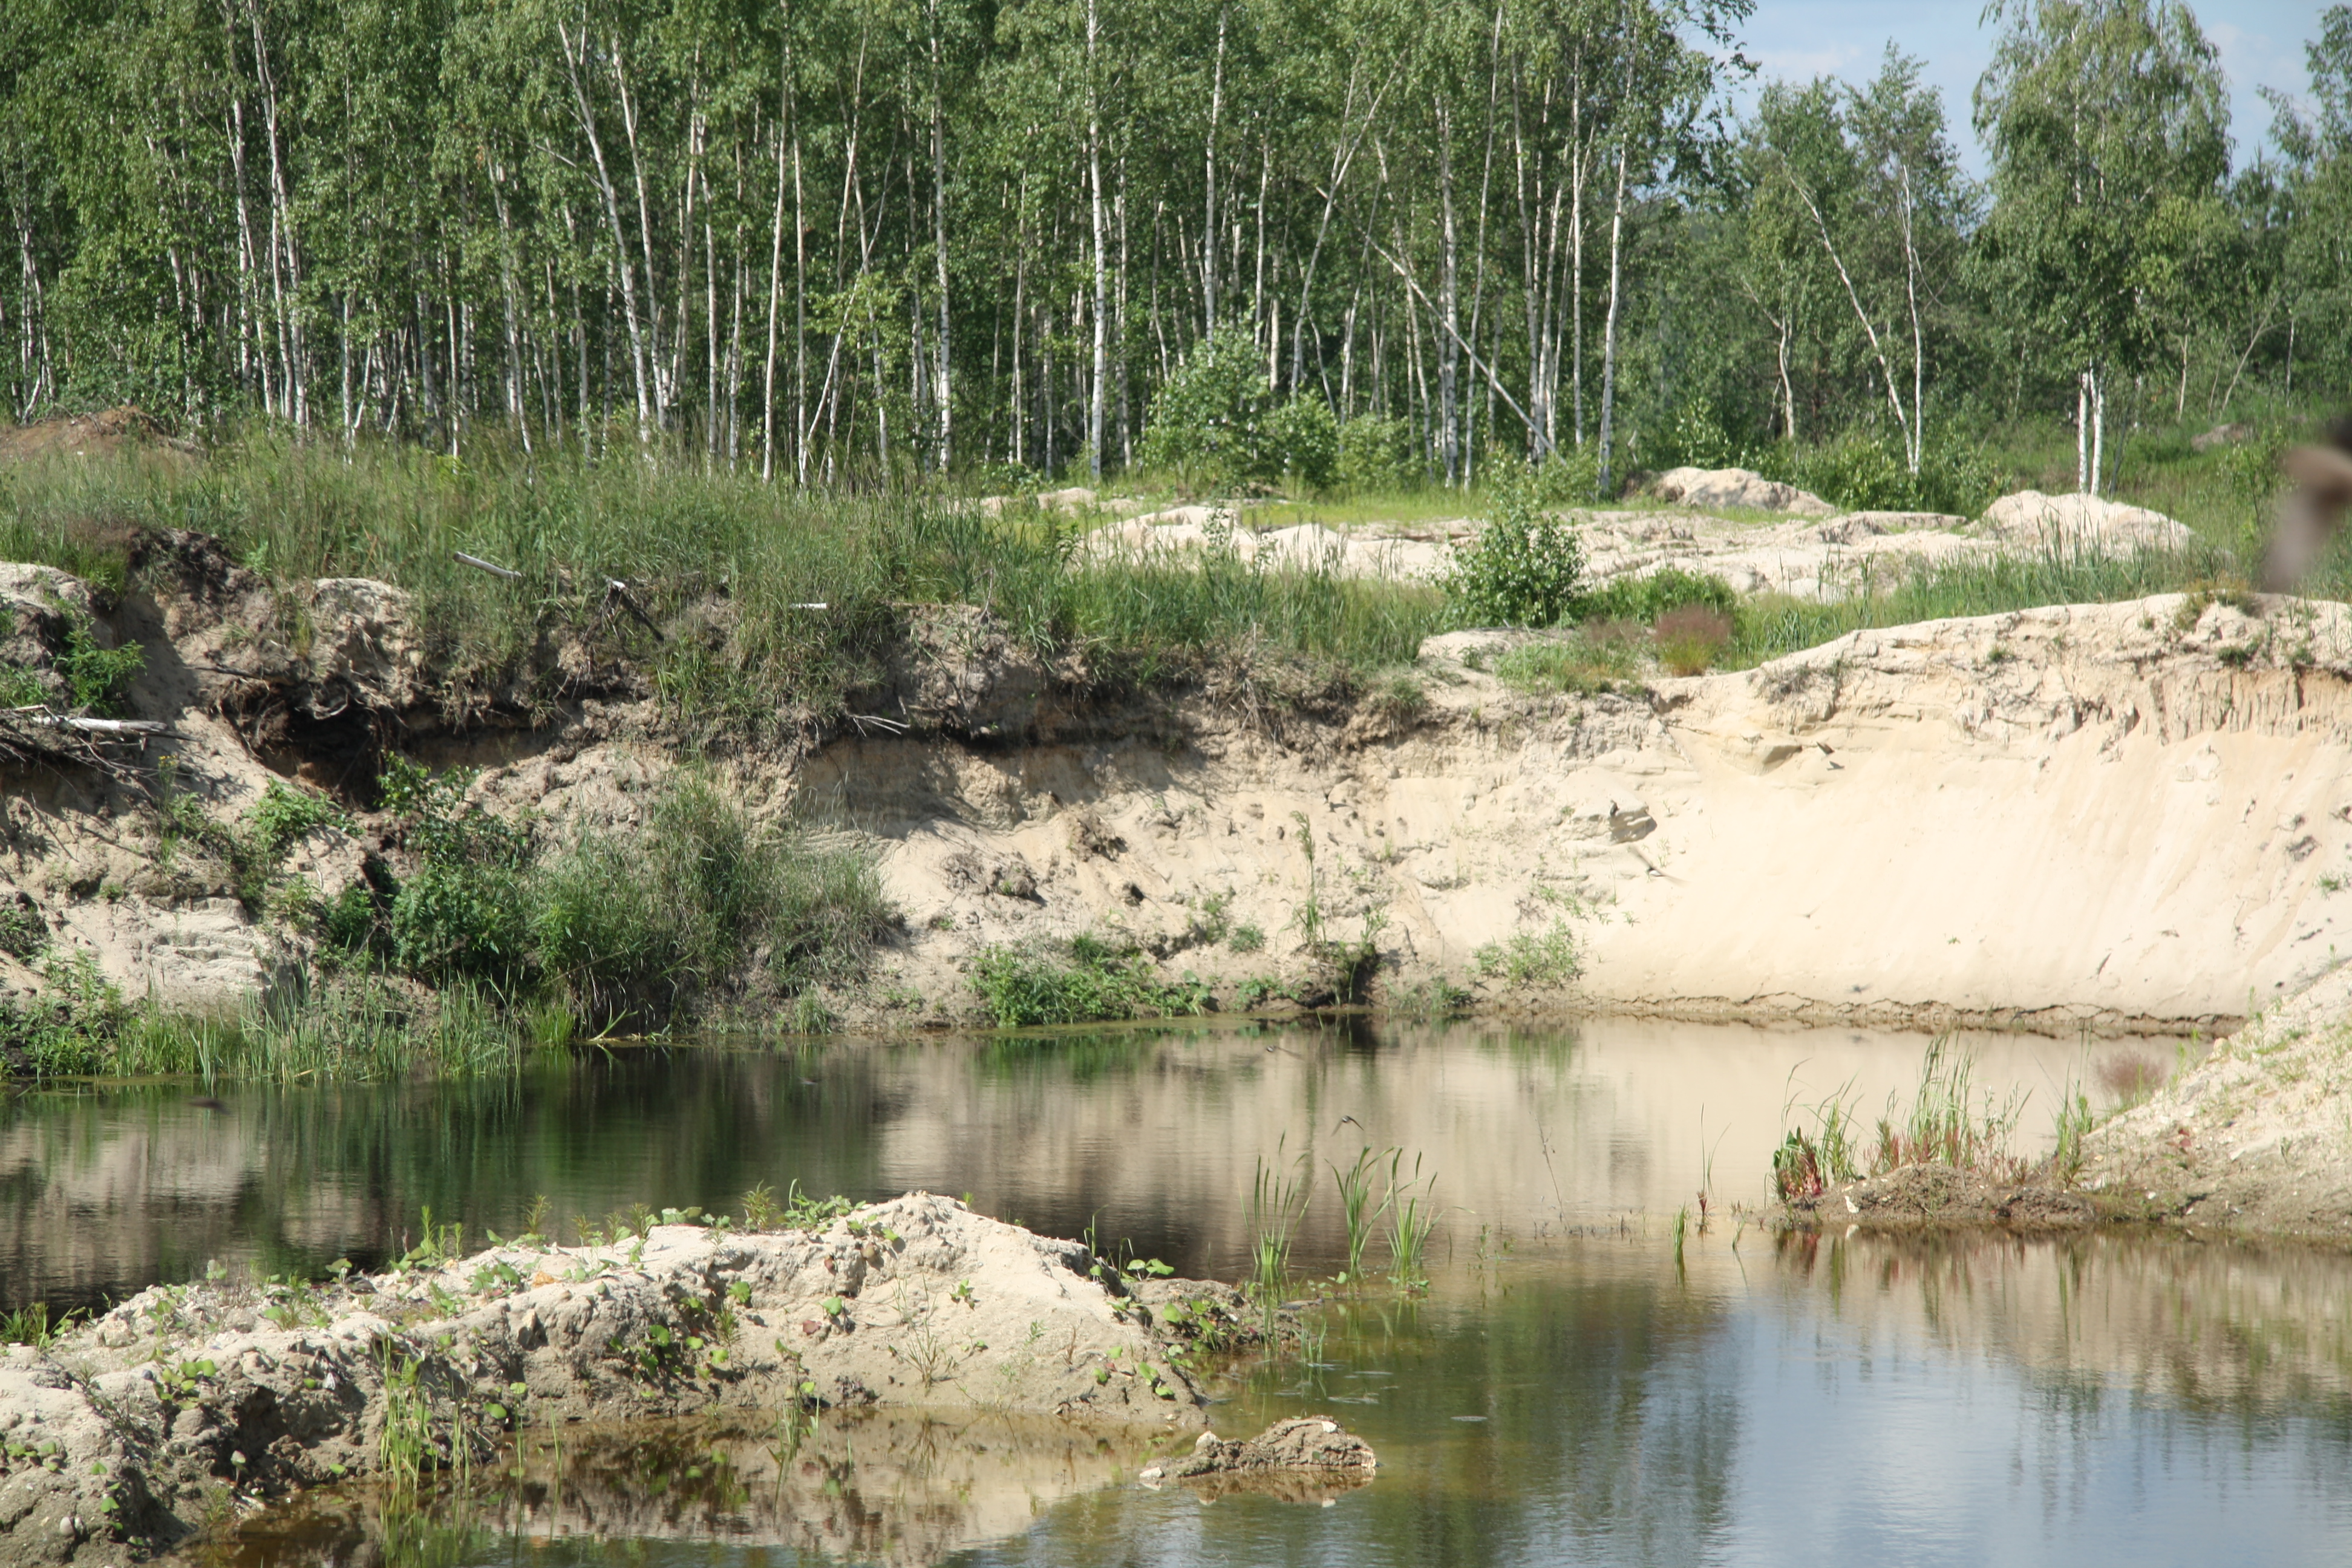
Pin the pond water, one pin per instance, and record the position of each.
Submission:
(1567, 1390)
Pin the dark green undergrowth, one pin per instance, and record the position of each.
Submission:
(1083, 980)
(696, 909)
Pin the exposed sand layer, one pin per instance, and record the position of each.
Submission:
(2120, 816)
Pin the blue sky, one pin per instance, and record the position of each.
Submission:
(2261, 44)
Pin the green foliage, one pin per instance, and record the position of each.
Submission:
(462, 912)
(1208, 420)
(69, 1027)
(1306, 438)
(1643, 599)
(24, 934)
(1376, 455)
(1217, 422)
(1528, 958)
(97, 678)
(1524, 568)
(1586, 662)
(629, 927)
(1089, 981)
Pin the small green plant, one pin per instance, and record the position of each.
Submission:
(23, 935)
(1246, 939)
(1280, 1196)
(1524, 568)
(97, 680)
(32, 1325)
(1550, 958)
(1411, 1209)
(405, 1442)
(1357, 1207)
(1807, 1163)
(2074, 1121)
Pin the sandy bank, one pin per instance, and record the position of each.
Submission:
(2257, 1137)
(2120, 817)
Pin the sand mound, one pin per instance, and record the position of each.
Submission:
(1735, 487)
(2031, 519)
(138, 1425)
(105, 434)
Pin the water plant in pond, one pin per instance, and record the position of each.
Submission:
(1411, 1209)
(2074, 1121)
(1356, 1207)
(1806, 1162)
(1949, 1122)
(1280, 1196)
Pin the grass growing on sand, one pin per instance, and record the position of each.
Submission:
(727, 565)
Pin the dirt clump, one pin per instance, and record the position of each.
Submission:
(1937, 1196)
(106, 433)
(2254, 1138)
(1304, 1458)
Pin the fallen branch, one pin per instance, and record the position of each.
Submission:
(615, 588)
(97, 726)
(494, 570)
(895, 726)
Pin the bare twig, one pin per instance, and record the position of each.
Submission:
(97, 726)
(616, 589)
(495, 570)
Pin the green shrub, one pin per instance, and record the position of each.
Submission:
(1524, 569)
(456, 918)
(632, 927)
(1304, 438)
(1569, 476)
(68, 1027)
(1645, 599)
(1087, 982)
(1209, 421)
(1696, 438)
(1217, 422)
(462, 912)
(1854, 471)
(1376, 455)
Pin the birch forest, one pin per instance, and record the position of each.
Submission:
(830, 240)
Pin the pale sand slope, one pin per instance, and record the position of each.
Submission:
(2257, 1137)
(2093, 815)
(2079, 808)
(2120, 815)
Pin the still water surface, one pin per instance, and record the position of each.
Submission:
(1565, 1392)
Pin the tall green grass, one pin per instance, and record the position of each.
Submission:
(725, 565)
(632, 927)
(358, 1028)
(1769, 625)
